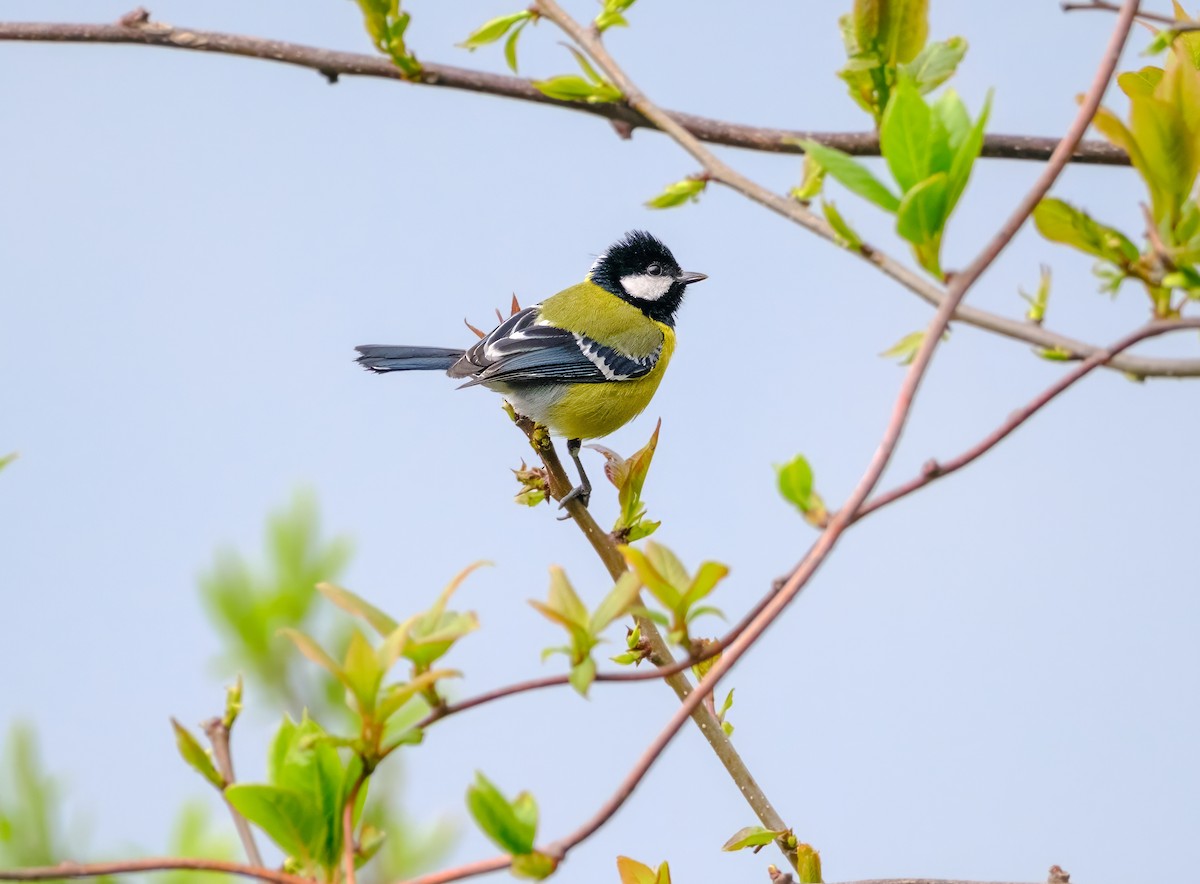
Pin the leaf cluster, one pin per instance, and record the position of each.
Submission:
(564, 607)
(628, 475)
(885, 44)
(665, 578)
(590, 88)
(491, 31)
(1162, 139)
(387, 23)
(795, 480)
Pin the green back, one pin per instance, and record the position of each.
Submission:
(589, 310)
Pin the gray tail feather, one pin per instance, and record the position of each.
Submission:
(383, 358)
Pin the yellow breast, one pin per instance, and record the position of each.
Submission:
(589, 411)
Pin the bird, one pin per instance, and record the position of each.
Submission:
(581, 363)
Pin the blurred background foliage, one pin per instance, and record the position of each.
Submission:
(248, 603)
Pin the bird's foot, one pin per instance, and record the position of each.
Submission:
(582, 493)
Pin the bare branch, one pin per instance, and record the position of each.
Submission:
(218, 735)
(459, 873)
(150, 864)
(332, 64)
(935, 470)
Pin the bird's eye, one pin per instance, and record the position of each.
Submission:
(654, 270)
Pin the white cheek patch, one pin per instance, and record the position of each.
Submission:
(645, 287)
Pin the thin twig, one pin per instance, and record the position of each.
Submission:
(660, 654)
(940, 469)
(149, 864)
(348, 827)
(1158, 18)
(332, 64)
(218, 735)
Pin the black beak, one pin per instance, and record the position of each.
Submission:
(688, 278)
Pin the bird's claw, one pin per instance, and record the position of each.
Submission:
(580, 493)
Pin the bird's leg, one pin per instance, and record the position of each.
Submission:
(582, 491)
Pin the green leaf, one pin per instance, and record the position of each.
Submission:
(582, 675)
(358, 607)
(612, 15)
(1061, 222)
(708, 575)
(512, 827)
(7, 459)
(935, 64)
(795, 480)
(678, 193)
(905, 134)
(314, 652)
(493, 30)
(291, 820)
(535, 866)
(950, 127)
(895, 29)
(842, 232)
(395, 696)
(571, 87)
(617, 603)
(510, 48)
(852, 175)
(922, 213)
(363, 673)
(751, 836)
(1140, 82)
(965, 155)
(195, 755)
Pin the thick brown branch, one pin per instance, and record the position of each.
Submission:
(333, 64)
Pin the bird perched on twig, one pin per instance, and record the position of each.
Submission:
(581, 363)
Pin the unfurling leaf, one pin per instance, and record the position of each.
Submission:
(808, 864)
(842, 232)
(1039, 301)
(751, 836)
(905, 349)
(493, 30)
(679, 193)
(1061, 222)
(512, 826)
(612, 15)
(795, 480)
(197, 757)
(629, 477)
(812, 180)
(936, 63)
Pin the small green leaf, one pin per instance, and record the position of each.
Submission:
(852, 175)
(358, 607)
(7, 459)
(1055, 354)
(708, 575)
(534, 866)
(812, 179)
(363, 673)
(904, 136)
(510, 47)
(512, 827)
(795, 479)
(936, 63)
(964, 158)
(233, 703)
(678, 193)
(196, 755)
(612, 15)
(292, 821)
(314, 652)
(751, 836)
(842, 232)
(1061, 222)
(905, 349)
(617, 603)
(922, 214)
(571, 87)
(582, 675)
(493, 30)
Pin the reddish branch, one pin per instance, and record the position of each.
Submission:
(150, 864)
(333, 64)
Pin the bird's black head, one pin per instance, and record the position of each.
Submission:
(641, 270)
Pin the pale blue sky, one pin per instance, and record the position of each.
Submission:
(997, 675)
